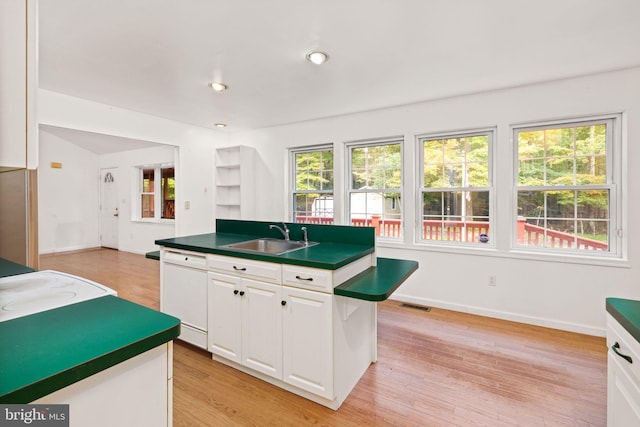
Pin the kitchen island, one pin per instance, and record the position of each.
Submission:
(108, 358)
(304, 320)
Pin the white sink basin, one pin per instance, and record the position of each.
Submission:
(269, 246)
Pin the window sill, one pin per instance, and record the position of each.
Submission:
(492, 251)
(154, 221)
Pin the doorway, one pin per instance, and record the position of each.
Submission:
(109, 213)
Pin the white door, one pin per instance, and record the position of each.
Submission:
(109, 214)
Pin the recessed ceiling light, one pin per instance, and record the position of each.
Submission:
(220, 125)
(317, 57)
(218, 87)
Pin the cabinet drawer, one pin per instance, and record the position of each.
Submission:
(189, 259)
(240, 267)
(314, 279)
(318, 279)
(628, 346)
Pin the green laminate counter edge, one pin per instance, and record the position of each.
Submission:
(627, 313)
(379, 282)
(153, 255)
(10, 268)
(326, 255)
(47, 351)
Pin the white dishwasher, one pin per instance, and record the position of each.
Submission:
(183, 293)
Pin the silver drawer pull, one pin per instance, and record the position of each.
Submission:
(615, 348)
(239, 269)
(309, 279)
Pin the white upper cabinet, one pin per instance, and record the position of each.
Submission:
(18, 84)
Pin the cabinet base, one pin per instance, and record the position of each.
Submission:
(193, 336)
(331, 404)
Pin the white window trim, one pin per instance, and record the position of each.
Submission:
(616, 177)
(291, 186)
(399, 139)
(136, 212)
(419, 141)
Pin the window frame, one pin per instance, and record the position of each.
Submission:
(491, 133)
(349, 146)
(293, 191)
(157, 193)
(614, 175)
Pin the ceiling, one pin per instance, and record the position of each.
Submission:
(97, 143)
(157, 56)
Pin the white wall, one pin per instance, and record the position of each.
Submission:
(194, 165)
(67, 197)
(566, 295)
(134, 235)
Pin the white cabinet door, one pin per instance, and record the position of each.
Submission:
(262, 327)
(623, 399)
(184, 294)
(225, 321)
(307, 341)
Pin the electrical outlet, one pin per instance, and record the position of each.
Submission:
(187, 204)
(492, 280)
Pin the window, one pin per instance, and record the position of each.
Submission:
(157, 202)
(376, 186)
(456, 187)
(313, 186)
(565, 192)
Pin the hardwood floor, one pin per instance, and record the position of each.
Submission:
(437, 368)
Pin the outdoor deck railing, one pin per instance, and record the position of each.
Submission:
(470, 231)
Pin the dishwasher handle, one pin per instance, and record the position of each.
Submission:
(615, 348)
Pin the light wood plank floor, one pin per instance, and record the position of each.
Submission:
(437, 368)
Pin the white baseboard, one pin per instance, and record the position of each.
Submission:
(504, 315)
(68, 249)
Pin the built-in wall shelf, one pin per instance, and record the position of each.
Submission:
(235, 182)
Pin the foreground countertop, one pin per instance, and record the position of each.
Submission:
(10, 268)
(47, 351)
(627, 313)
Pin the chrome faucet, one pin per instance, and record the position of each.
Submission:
(305, 237)
(285, 231)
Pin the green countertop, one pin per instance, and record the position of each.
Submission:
(47, 351)
(337, 246)
(10, 268)
(379, 282)
(326, 255)
(627, 313)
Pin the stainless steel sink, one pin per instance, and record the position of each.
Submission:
(269, 246)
